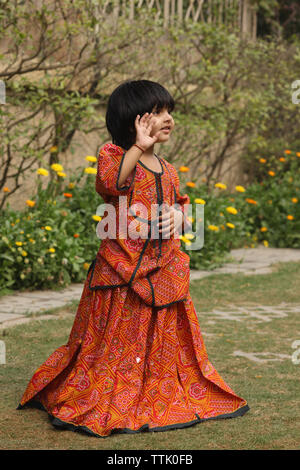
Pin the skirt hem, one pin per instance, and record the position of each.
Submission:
(57, 422)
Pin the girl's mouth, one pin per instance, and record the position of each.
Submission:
(166, 130)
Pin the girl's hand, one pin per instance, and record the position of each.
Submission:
(170, 221)
(143, 128)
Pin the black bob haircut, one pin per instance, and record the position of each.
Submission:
(129, 99)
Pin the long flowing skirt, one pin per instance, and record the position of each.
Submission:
(128, 367)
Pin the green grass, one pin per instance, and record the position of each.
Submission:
(271, 388)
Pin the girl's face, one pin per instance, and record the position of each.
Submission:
(163, 124)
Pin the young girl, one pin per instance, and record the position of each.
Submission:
(135, 359)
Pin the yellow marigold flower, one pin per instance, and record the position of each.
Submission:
(262, 160)
(271, 173)
(191, 184)
(91, 158)
(290, 217)
(294, 199)
(230, 225)
(189, 236)
(47, 227)
(30, 203)
(24, 253)
(265, 242)
(231, 210)
(86, 266)
(282, 159)
(184, 169)
(52, 250)
(31, 240)
(220, 185)
(199, 201)
(21, 231)
(191, 219)
(96, 217)
(19, 243)
(53, 149)
(287, 152)
(240, 189)
(213, 227)
(185, 240)
(221, 214)
(250, 201)
(62, 174)
(42, 171)
(90, 171)
(6, 189)
(263, 229)
(57, 167)
(71, 185)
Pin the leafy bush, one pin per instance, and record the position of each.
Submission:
(265, 212)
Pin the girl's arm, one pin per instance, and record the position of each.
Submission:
(130, 159)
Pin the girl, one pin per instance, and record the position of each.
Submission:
(135, 359)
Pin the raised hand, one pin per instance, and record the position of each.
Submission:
(143, 126)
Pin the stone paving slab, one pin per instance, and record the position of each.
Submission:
(38, 301)
(252, 261)
(248, 261)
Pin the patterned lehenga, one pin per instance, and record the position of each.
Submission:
(135, 359)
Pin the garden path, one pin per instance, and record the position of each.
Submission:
(22, 307)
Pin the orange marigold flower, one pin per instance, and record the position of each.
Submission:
(287, 152)
(184, 169)
(290, 217)
(68, 195)
(271, 173)
(30, 203)
(262, 160)
(76, 235)
(250, 201)
(294, 199)
(6, 189)
(191, 184)
(298, 154)
(282, 159)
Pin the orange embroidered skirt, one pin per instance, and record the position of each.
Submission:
(129, 367)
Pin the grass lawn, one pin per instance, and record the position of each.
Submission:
(270, 386)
